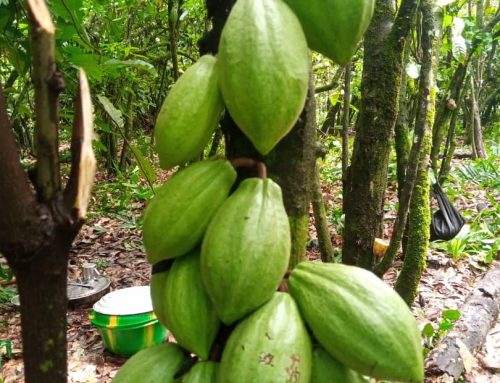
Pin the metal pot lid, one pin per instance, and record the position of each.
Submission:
(129, 301)
(79, 290)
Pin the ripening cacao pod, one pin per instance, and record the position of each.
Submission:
(189, 114)
(187, 310)
(270, 345)
(176, 218)
(152, 365)
(157, 290)
(201, 372)
(246, 249)
(263, 66)
(359, 320)
(334, 27)
(326, 369)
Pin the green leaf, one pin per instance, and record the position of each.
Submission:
(144, 164)
(115, 114)
(452, 315)
(428, 330)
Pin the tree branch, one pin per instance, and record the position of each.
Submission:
(17, 200)
(83, 163)
(48, 84)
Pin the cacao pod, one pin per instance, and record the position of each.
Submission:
(201, 372)
(187, 310)
(263, 66)
(158, 284)
(359, 320)
(189, 114)
(176, 218)
(334, 27)
(326, 369)
(152, 365)
(246, 249)
(270, 345)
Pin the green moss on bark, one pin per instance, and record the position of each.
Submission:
(419, 221)
(299, 230)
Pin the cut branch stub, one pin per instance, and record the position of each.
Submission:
(249, 163)
(48, 84)
(83, 167)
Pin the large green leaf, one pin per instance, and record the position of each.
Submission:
(115, 114)
(145, 165)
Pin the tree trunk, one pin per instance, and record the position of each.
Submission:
(345, 127)
(173, 7)
(477, 132)
(322, 229)
(450, 147)
(402, 140)
(416, 172)
(419, 212)
(39, 221)
(292, 164)
(127, 132)
(367, 178)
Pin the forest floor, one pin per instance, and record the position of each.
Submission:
(114, 244)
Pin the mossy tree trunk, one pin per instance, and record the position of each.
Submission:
(402, 140)
(419, 214)
(291, 163)
(367, 178)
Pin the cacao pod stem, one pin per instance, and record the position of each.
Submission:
(249, 163)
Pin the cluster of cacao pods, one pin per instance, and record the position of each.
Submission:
(260, 74)
(220, 251)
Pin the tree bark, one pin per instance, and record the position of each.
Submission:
(416, 171)
(321, 222)
(478, 148)
(367, 179)
(37, 225)
(345, 126)
(402, 141)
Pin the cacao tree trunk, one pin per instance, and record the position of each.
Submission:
(345, 127)
(40, 220)
(419, 212)
(478, 149)
(367, 178)
(321, 222)
(402, 141)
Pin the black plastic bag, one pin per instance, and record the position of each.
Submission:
(446, 222)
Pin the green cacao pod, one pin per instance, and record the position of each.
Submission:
(271, 345)
(187, 310)
(189, 114)
(158, 284)
(263, 65)
(359, 320)
(176, 218)
(201, 372)
(334, 27)
(152, 365)
(326, 369)
(246, 249)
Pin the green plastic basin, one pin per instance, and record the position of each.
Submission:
(126, 321)
(124, 335)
